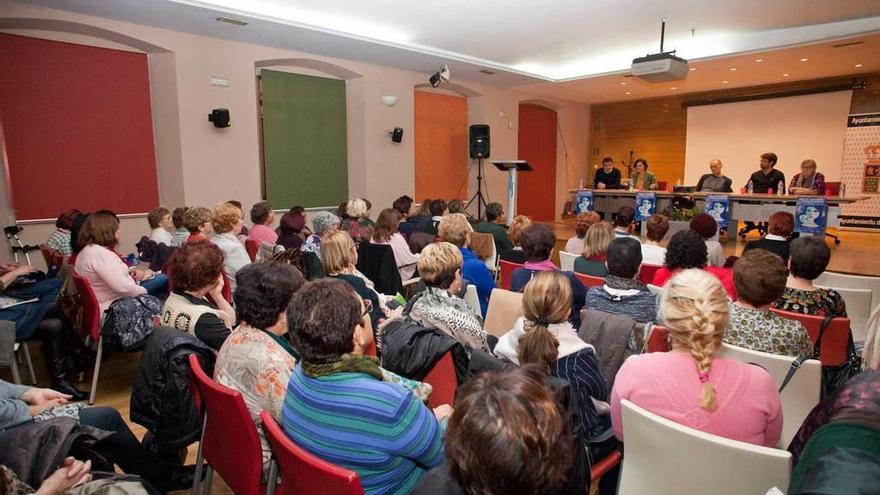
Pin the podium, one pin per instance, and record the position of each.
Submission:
(512, 167)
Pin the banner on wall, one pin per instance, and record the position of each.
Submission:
(811, 215)
(646, 205)
(718, 207)
(860, 172)
(583, 202)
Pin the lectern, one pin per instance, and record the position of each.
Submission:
(512, 167)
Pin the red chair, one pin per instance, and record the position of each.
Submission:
(302, 472)
(647, 271)
(506, 269)
(661, 185)
(53, 257)
(90, 323)
(443, 382)
(252, 247)
(835, 342)
(589, 280)
(598, 469)
(230, 443)
(658, 340)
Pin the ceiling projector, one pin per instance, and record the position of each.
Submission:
(660, 67)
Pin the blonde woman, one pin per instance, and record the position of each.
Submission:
(514, 231)
(338, 258)
(227, 223)
(689, 385)
(596, 242)
(545, 336)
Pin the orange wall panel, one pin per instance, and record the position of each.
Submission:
(441, 146)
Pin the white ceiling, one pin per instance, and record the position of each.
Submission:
(530, 42)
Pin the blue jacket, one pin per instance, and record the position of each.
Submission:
(477, 273)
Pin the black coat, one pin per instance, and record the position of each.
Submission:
(155, 254)
(161, 397)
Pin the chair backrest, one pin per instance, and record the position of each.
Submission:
(473, 299)
(91, 310)
(252, 247)
(53, 257)
(833, 188)
(230, 442)
(302, 472)
(835, 342)
(664, 457)
(847, 281)
(589, 280)
(655, 289)
(858, 308)
(647, 271)
(566, 261)
(377, 263)
(661, 185)
(658, 340)
(443, 381)
(506, 269)
(800, 395)
(505, 307)
(492, 260)
(481, 244)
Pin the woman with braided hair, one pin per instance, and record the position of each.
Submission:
(689, 385)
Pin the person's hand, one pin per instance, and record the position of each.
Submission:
(142, 274)
(72, 473)
(443, 411)
(653, 187)
(600, 185)
(39, 396)
(393, 313)
(37, 409)
(20, 270)
(217, 290)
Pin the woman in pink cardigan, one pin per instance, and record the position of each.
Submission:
(689, 385)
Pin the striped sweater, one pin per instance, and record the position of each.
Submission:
(377, 429)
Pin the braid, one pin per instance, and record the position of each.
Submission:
(702, 349)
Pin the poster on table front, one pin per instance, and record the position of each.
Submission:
(811, 215)
(718, 207)
(583, 202)
(646, 205)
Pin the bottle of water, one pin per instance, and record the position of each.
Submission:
(780, 188)
(842, 192)
(750, 188)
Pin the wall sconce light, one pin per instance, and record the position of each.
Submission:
(389, 101)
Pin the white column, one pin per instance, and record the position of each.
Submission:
(511, 194)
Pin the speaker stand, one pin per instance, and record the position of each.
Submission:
(478, 196)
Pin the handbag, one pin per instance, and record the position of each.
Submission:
(69, 302)
(129, 321)
(833, 377)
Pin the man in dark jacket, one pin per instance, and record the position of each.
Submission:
(622, 293)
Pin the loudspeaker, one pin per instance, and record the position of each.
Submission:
(397, 134)
(479, 141)
(220, 117)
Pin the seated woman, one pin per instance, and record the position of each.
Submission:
(689, 385)
(102, 266)
(809, 258)
(339, 408)
(338, 258)
(707, 227)
(352, 214)
(457, 230)
(256, 360)
(537, 244)
(592, 259)
(196, 271)
(760, 280)
(324, 223)
(641, 179)
(779, 229)
(438, 306)
(514, 231)
(585, 220)
(198, 222)
(687, 249)
(655, 230)
(227, 223)
(59, 240)
(263, 217)
(290, 229)
(386, 232)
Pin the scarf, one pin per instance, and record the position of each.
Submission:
(540, 266)
(620, 283)
(569, 342)
(348, 363)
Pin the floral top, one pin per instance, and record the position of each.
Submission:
(767, 332)
(822, 302)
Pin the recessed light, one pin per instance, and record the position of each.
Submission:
(692, 69)
(673, 87)
(623, 83)
(804, 59)
(733, 68)
(857, 66)
(759, 60)
(786, 74)
(724, 82)
(629, 92)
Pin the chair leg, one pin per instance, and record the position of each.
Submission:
(94, 390)
(199, 460)
(272, 480)
(28, 362)
(209, 479)
(16, 377)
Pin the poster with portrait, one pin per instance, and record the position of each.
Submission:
(583, 202)
(811, 215)
(646, 205)
(718, 207)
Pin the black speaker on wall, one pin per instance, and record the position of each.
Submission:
(479, 141)
(397, 134)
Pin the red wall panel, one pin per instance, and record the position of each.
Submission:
(78, 127)
(536, 190)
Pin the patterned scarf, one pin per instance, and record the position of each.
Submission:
(621, 283)
(348, 363)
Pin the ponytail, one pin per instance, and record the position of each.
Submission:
(537, 345)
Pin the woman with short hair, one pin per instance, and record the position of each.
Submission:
(262, 217)
(655, 230)
(386, 232)
(585, 220)
(456, 229)
(707, 227)
(780, 226)
(324, 223)
(338, 257)
(198, 222)
(227, 223)
(687, 249)
(596, 241)
(59, 240)
(809, 259)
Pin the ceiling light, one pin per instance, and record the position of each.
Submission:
(759, 60)
(440, 76)
(733, 68)
(232, 21)
(629, 92)
(857, 66)
(724, 82)
(785, 75)
(804, 59)
(673, 87)
(623, 83)
(692, 69)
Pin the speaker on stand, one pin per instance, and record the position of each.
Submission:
(479, 150)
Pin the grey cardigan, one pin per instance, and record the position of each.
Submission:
(13, 410)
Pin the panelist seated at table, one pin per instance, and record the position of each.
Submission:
(607, 177)
(641, 179)
(767, 177)
(716, 181)
(808, 181)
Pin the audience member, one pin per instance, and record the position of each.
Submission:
(707, 227)
(607, 177)
(324, 223)
(339, 408)
(403, 204)
(456, 230)
(242, 236)
(338, 257)
(689, 385)
(537, 243)
(438, 305)
(263, 217)
(290, 230)
(356, 209)
(655, 230)
(808, 182)
(386, 232)
(256, 359)
(623, 222)
(494, 224)
(352, 214)
(59, 239)
(716, 181)
(760, 280)
(196, 271)
(780, 226)
(514, 232)
(687, 249)
(198, 222)
(809, 258)
(365, 219)
(592, 259)
(585, 220)
(438, 210)
(227, 223)
(160, 222)
(622, 293)
(180, 232)
(641, 179)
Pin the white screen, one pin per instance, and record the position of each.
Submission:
(795, 128)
